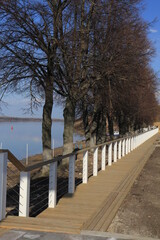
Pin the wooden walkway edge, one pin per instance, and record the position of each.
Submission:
(93, 205)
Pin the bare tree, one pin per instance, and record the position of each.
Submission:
(29, 41)
(74, 62)
(122, 54)
(94, 54)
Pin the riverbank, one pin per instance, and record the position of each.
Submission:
(18, 119)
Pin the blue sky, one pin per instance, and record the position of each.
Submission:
(16, 105)
(151, 12)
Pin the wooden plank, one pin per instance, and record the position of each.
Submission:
(14, 160)
(42, 228)
(66, 215)
(79, 218)
(41, 224)
(36, 221)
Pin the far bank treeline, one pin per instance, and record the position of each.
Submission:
(92, 56)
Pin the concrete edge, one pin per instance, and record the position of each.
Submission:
(115, 235)
(12, 235)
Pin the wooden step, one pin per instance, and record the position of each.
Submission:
(43, 224)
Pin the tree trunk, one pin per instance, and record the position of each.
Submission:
(98, 130)
(69, 118)
(47, 123)
(122, 122)
(92, 141)
(101, 131)
(104, 135)
(110, 126)
(93, 129)
(86, 125)
(122, 128)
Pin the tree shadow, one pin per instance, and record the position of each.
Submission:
(39, 190)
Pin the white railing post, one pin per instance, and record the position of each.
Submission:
(24, 194)
(52, 198)
(3, 184)
(110, 154)
(143, 139)
(123, 148)
(129, 145)
(132, 143)
(1, 145)
(137, 141)
(103, 163)
(126, 150)
(119, 149)
(115, 152)
(85, 167)
(95, 162)
(140, 139)
(71, 182)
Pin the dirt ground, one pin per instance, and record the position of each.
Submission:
(139, 214)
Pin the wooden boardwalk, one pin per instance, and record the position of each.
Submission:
(93, 205)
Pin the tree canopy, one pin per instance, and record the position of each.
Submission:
(93, 54)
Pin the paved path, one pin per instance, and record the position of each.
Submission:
(2, 231)
(23, 235)
(93, 205)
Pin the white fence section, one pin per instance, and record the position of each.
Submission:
(116, 150)
(52, 198)
(24, 195)
(3, 184)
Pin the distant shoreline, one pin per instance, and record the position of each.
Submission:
(18, 119)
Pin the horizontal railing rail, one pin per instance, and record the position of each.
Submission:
(21, 167)
(108, 152)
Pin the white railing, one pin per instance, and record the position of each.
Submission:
(116, 149)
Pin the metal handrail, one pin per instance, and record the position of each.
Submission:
(22, 168)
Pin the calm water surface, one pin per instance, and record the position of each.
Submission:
(15, 135)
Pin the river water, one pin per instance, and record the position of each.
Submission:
(16, 135)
